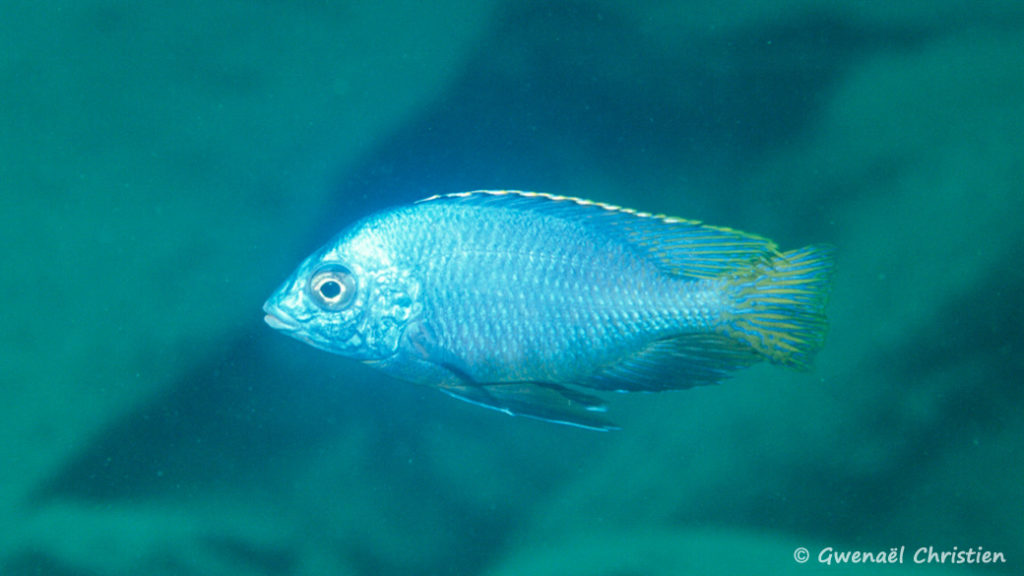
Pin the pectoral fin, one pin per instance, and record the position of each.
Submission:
(539, 400)
(542, 401)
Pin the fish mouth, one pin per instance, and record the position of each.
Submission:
(279, 320)
(279, 324)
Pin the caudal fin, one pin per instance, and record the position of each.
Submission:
(778, 307)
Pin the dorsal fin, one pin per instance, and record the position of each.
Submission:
(678, 247)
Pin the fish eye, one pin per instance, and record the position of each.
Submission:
(332, 287)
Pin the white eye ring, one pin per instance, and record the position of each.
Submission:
(332, 287)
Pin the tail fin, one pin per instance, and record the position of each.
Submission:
(778, 307)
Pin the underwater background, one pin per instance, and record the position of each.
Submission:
(165, 165)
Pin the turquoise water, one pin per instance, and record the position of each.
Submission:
(166, 165)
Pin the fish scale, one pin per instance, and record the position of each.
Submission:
(534, 320)
(516, 300)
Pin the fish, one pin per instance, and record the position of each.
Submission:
(535, 304)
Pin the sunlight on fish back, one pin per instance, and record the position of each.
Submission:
(517, 300)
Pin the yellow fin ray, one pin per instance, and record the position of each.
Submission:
(778, 307)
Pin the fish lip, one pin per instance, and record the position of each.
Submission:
(278, 324)
(279, 320)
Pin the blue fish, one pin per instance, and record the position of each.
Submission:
(517, 300)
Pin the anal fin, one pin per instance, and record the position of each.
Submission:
(541, 401)
(675, 363)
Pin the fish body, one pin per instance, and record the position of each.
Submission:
(516, 300)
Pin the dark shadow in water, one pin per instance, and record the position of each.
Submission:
(558, 88)
(246, 424)
(965, 367)
(228, 418)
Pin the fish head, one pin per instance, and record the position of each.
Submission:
(348, 298)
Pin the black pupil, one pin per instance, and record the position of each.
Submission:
(330, 289)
